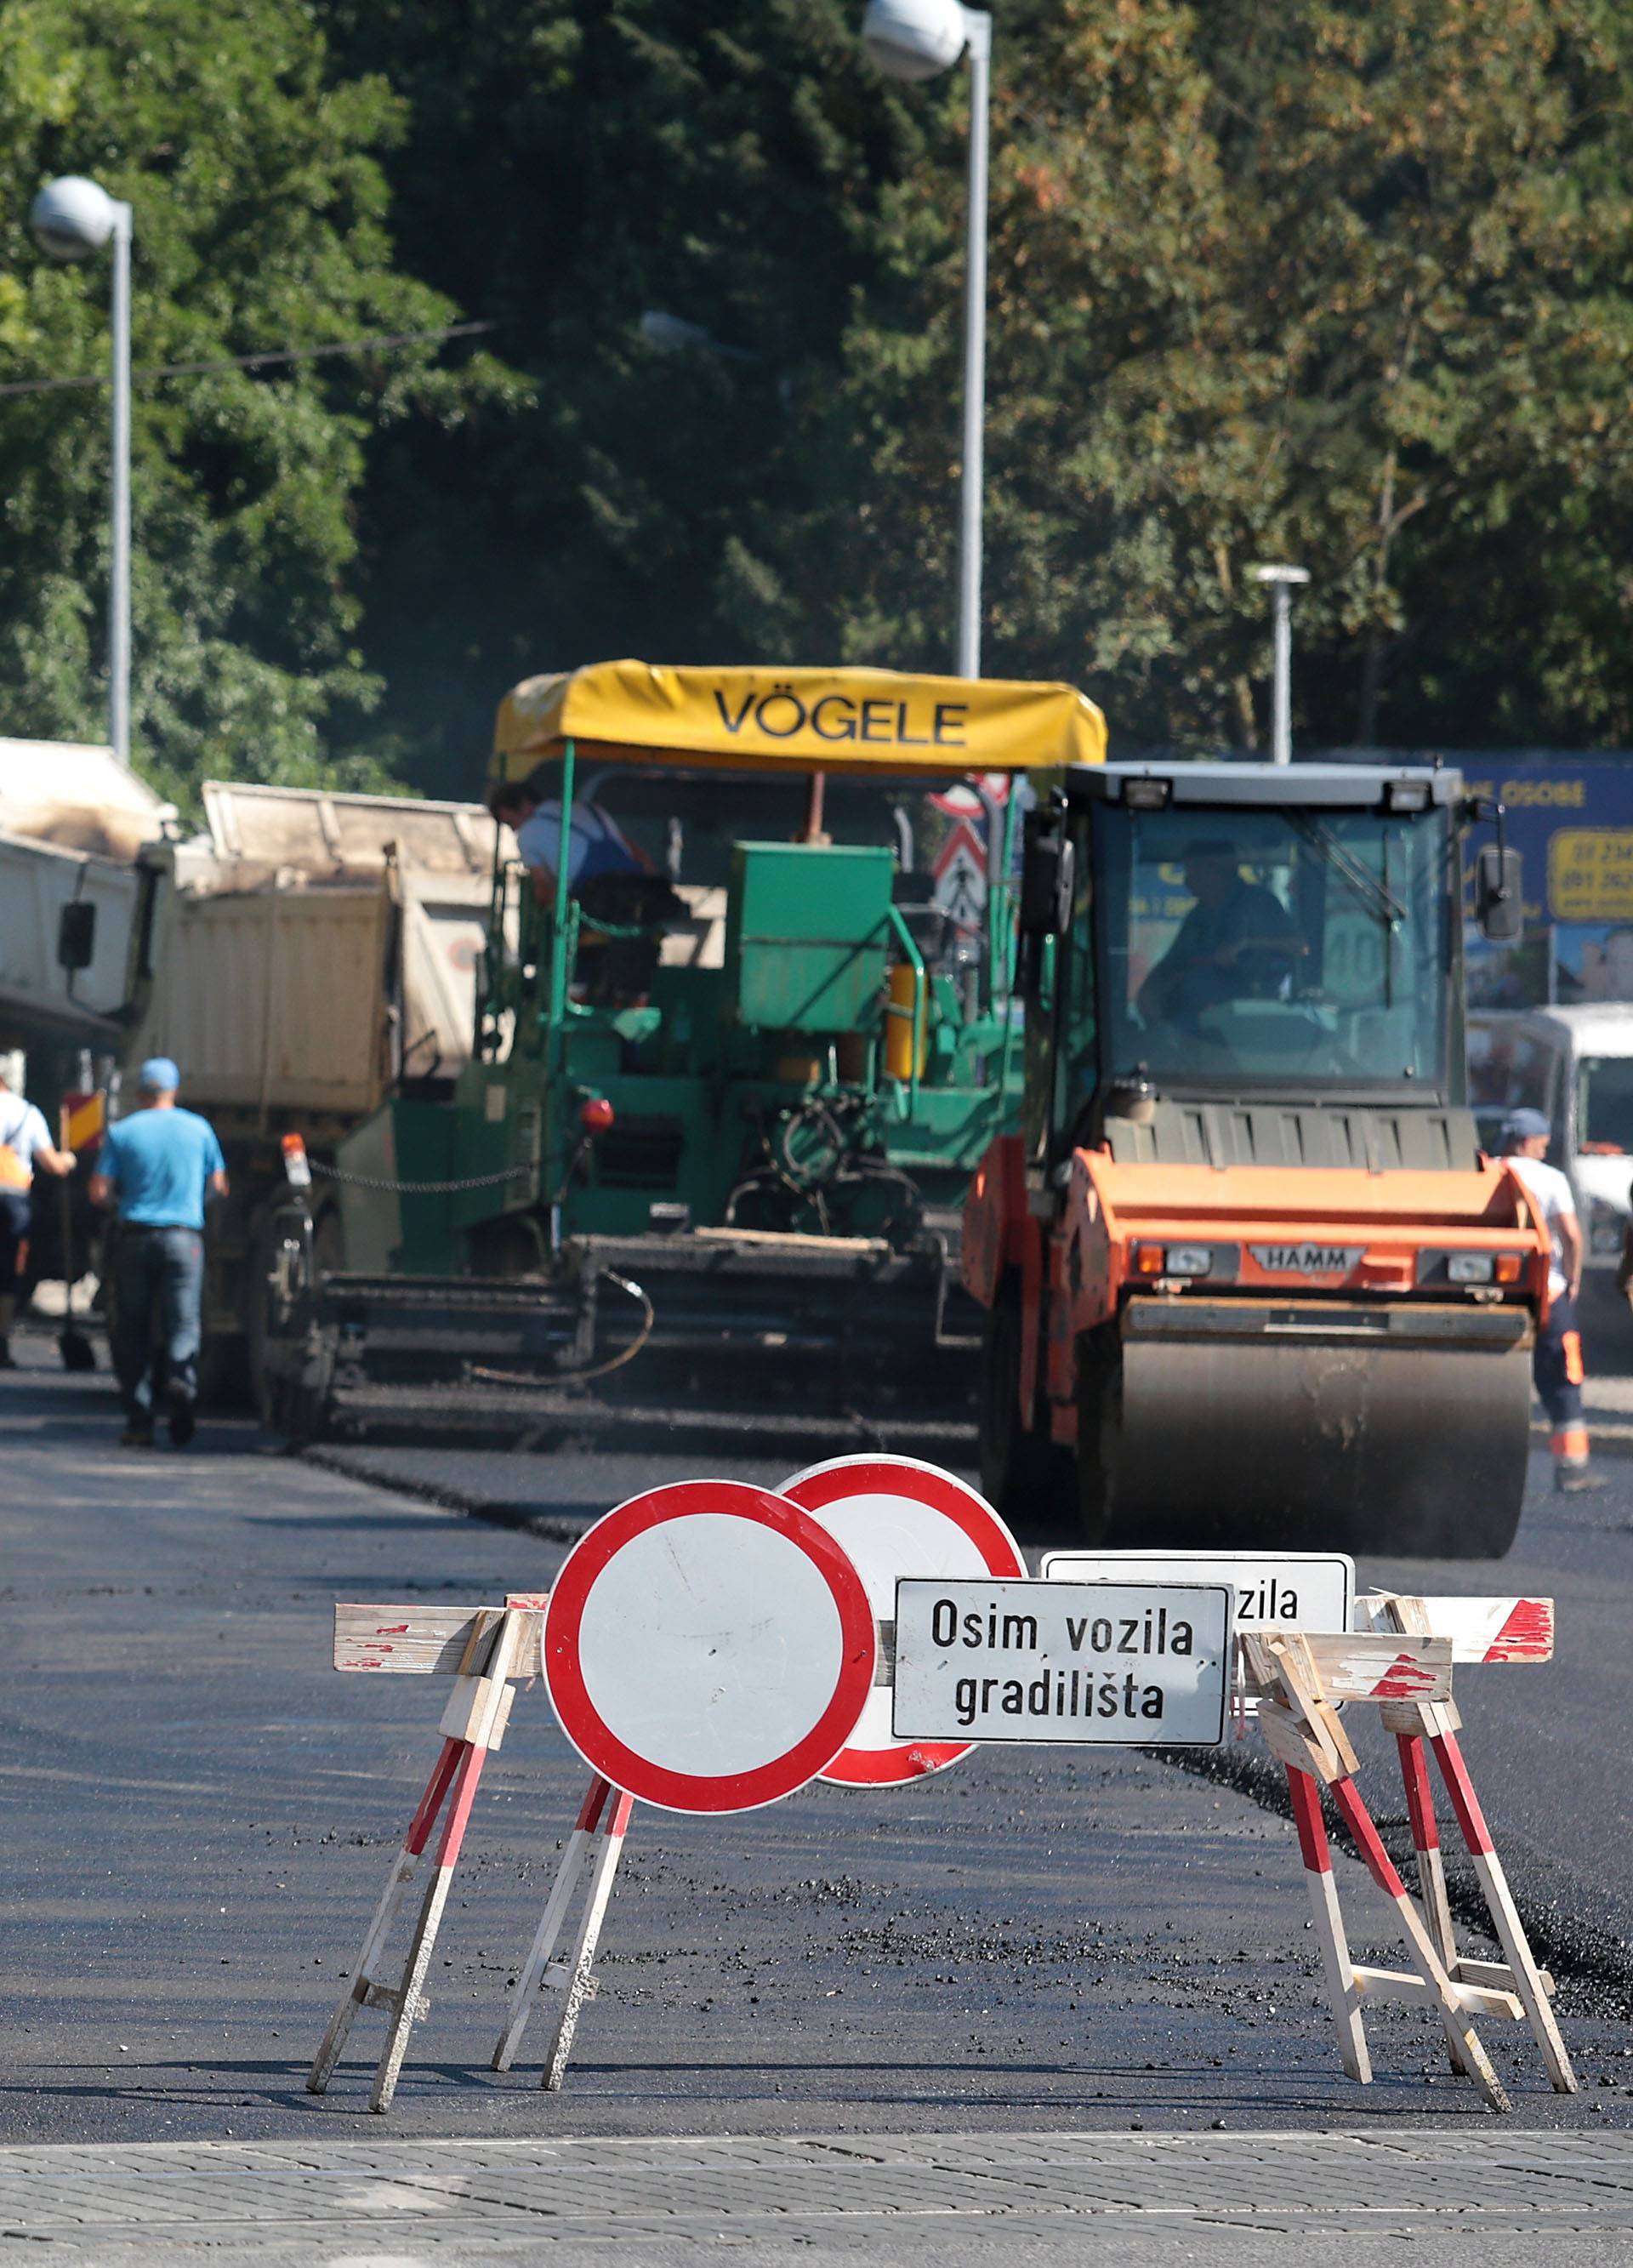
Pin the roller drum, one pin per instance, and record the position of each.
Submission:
(1374, 1430)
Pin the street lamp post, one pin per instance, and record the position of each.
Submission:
(917, 40)
(1282, 580)
(73, 218)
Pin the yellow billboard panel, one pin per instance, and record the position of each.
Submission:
(1590, 875)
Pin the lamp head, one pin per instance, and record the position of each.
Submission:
(913, 38)
(1280, 574)
(73, 218)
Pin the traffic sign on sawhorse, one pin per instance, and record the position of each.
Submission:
(711, 1647)
(493, 1645)
(1482, 1631)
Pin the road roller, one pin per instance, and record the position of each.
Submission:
(1249, 1278)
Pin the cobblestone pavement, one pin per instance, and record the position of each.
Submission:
(894, 2196)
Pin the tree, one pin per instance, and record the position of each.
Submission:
(1343, 283)
(569, 167)
(254, 172)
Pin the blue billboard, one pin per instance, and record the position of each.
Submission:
(1571, 818)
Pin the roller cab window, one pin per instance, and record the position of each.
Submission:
(1243, 948)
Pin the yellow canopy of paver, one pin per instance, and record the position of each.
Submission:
(798, 720)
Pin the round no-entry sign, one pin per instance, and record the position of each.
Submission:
(894, 1518)
(708, 1647)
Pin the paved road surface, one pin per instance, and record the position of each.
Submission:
(1551, 1748)
(200, 1814)
(941, 2197)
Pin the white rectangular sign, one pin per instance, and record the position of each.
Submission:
(1294, 1590)
(1120, 1664)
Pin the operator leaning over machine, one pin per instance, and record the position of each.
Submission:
(610, 878)
(596, 845)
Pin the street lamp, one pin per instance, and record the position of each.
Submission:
(917, 40)
(73, 218)
(1282, 580)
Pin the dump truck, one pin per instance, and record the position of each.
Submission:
(309, 956)
(1248, 1276)
(708, 1158)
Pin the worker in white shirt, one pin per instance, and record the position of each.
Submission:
(1557, 1361)
(25, 1145)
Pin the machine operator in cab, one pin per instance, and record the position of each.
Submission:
(1238, 941)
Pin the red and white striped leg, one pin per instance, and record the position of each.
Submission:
(364, 1980)
(535, 1966)
(1336, 1965)
(1527, 1980)
(1420, 1810)
(407, 2003)
(1460, 2032)
(608, 1849)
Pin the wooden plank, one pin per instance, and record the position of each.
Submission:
(425, 1641)
(1295, 1743)
(1501, 1630)
(778, 1239)
(1381, 1666)
(1301, 1681)
(478, 1710)
(1499, 1974)
(1404, 1984)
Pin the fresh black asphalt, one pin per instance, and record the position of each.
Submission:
(200, 1814)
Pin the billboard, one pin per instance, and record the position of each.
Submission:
(1571, 818)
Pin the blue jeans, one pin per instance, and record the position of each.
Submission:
(13, 1236)
(157, 1271)
(1557, 1373)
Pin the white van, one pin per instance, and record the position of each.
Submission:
(1576, 1066)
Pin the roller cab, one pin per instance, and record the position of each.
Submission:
(1248, 1277)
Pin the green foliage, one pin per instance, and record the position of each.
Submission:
(1340, 281)
(1344, 284)
(253, 171)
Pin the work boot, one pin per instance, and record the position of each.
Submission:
(136, 1437)
(1575, 1479)
(180, 1419)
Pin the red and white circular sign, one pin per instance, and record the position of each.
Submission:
(894, 1518)
(708, 1647)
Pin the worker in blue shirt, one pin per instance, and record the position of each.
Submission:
(157, 1167)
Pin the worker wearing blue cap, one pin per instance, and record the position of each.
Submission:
(157, 1167)
(1557, 1366)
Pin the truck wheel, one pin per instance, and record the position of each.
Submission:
(1023, 1476)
